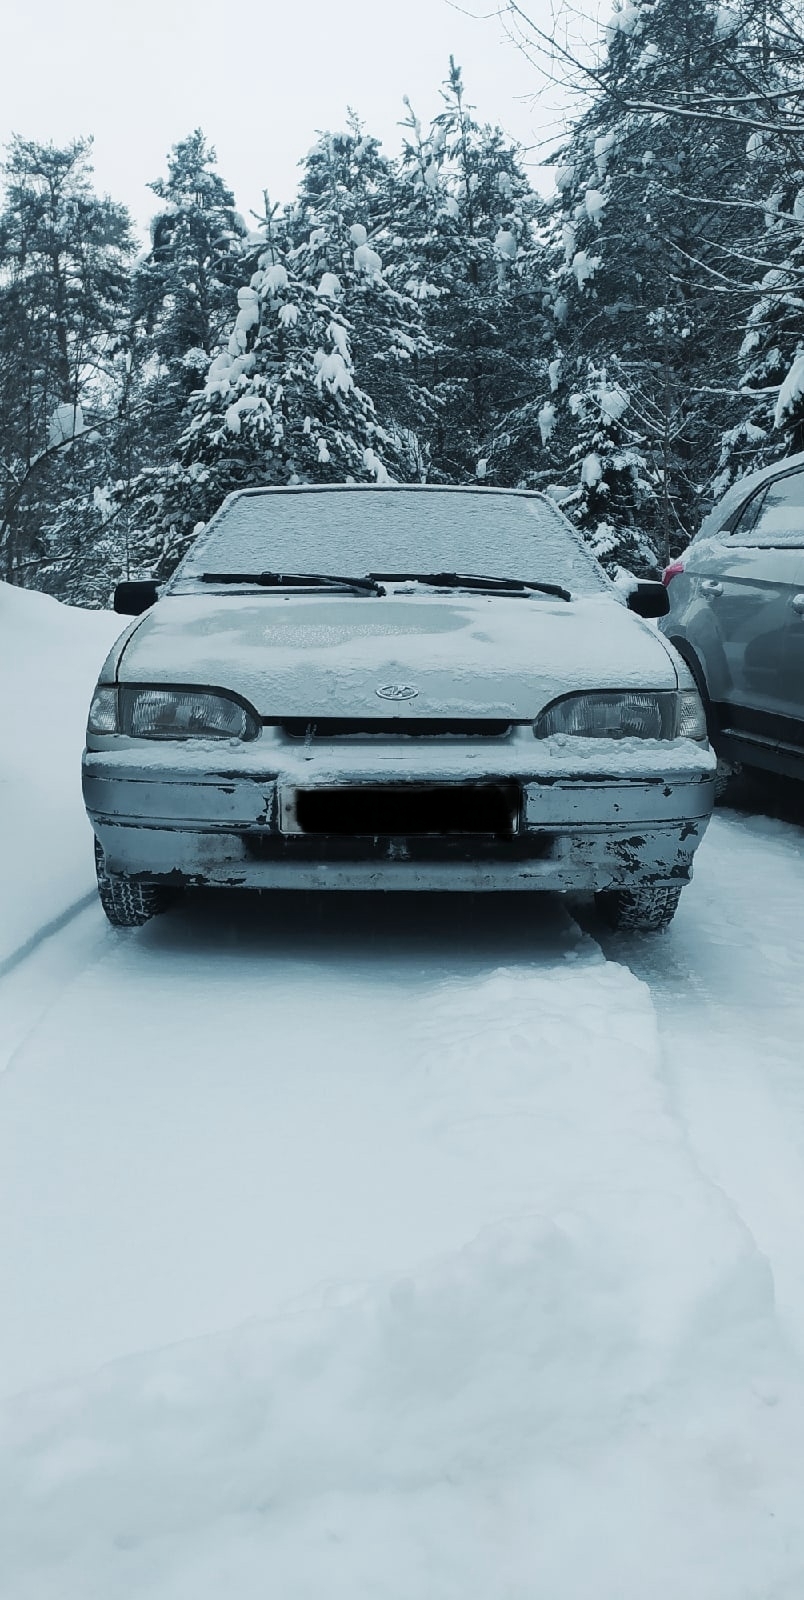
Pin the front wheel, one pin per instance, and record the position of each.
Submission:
(644, 910)
(127, 903)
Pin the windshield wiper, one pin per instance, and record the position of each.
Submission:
(475, 580)
(295, 580)
(374, 581)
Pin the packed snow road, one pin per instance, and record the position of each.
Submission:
(247, 1099)
(484, 1248)
(387, 1248)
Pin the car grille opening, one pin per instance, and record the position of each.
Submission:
(394, 728)
(439, 850)
(410, 810)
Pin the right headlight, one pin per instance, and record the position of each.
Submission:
(627, 714)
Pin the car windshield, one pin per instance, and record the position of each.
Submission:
(360, 530)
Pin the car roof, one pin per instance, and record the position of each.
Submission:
(740, 491)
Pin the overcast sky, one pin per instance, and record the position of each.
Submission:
(260, 79)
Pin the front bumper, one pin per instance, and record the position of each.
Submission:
(589, 818)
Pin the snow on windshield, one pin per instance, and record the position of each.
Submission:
(358, 530)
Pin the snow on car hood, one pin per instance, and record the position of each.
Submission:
(327, 655)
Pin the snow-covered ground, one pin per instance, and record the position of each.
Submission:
(370, 1248)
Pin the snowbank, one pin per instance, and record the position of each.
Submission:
(50, 656)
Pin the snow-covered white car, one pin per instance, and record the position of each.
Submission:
(390, 687)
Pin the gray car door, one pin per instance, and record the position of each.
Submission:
(754, 585)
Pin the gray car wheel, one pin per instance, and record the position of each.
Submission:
(127, 903)
(644, 910)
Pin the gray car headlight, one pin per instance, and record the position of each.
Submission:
(632, 714)
(171, 714)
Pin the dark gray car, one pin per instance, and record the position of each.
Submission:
(737, 617)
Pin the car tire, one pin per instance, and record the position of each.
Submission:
(127, 903)
(645, 910)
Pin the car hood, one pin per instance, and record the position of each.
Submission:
(328, 656)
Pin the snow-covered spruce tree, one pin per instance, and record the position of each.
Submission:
(345, 221)
(63, 293)
(771, 359)
(280, 405)
(646, 307)
(182, 289)
(467, 252)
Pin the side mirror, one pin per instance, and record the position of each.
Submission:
(131, 599)
(649, 600)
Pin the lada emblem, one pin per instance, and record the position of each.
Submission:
(397, 691)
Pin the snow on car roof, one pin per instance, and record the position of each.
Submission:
(355, 529)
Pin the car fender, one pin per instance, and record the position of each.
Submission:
(694, 632)
(111, 666)
(688, 655)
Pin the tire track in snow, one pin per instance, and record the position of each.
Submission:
(43, 970)
(47, 931)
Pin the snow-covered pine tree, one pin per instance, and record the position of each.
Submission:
(467, 252)
(645, 303)
(64, 256)
(280, 405)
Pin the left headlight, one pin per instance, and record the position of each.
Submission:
(635, 714)
(171, 714)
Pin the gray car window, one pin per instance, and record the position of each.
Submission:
(774, 518)
(360, 530)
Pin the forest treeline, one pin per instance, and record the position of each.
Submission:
(631, 345)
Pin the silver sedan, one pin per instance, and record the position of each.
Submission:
(395, 688)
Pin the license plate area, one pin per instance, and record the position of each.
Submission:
(403, 811)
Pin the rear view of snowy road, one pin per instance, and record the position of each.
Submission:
(416, 1248)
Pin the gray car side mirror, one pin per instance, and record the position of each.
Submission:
(649, 600)
(134, 597)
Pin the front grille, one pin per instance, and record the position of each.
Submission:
(409, 810)
(304, 849)
(393, 728)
